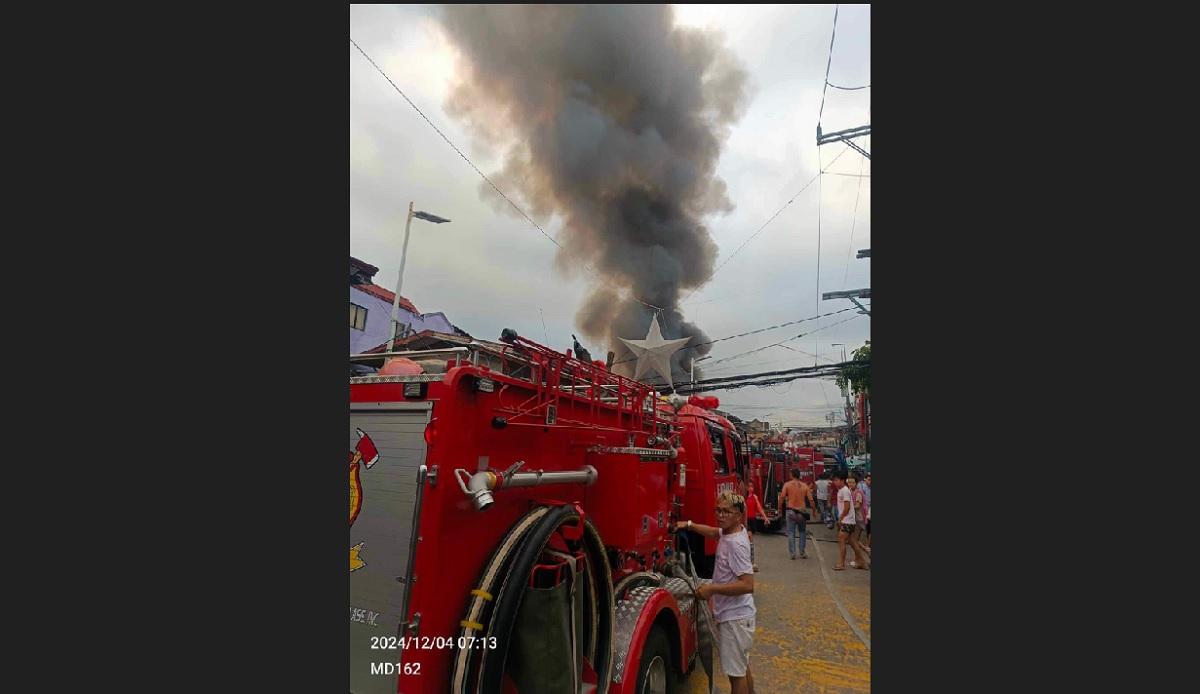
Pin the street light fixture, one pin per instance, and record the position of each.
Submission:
(403, 257)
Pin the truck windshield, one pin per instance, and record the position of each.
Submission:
(739, 459)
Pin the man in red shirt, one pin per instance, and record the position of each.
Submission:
(754, 508)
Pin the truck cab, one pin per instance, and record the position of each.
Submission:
(716, 462)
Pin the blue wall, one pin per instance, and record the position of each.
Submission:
(379, 313)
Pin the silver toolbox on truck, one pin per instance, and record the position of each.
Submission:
(387, 472)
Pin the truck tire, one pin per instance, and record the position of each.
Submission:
(655, 675)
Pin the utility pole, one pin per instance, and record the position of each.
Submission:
(846, 136)
(853, 295)
(850, 134)
(850, 432)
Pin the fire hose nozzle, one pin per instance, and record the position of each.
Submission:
(478, 486)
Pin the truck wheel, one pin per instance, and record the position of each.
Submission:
(655, 674)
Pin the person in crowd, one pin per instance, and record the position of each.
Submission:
(858, 499)
(822, 495)
(795, 505)
(866, 541)
(844, 515)
(754, 509)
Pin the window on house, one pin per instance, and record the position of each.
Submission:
(358, 317)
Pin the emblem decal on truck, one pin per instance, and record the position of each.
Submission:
(364, 454)
(355, 562)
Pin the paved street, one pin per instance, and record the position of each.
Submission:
(803, 643)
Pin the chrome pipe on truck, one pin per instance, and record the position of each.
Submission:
(480, 485)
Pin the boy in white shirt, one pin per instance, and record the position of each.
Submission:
(731, 590)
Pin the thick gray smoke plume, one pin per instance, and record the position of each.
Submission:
(613, 119)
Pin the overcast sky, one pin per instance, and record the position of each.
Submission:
(488, 270)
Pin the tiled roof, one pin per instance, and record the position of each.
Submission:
(404, 342)
(430, 339)
(386, 295)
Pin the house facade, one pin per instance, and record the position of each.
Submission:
(371, 311)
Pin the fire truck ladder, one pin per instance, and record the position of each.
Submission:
(556, 376)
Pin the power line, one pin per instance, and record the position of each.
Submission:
(764, 226)
(808, 353)
(455, 147)
(752, 332)
(722, 298)
(825, 369)
(780, 343)
(767, 378)
(827, 65)
(752, 293)
(643, 303)
(728, 369)
(773, 327)
(853, 221)
(703, 387)
(825, 394)
(708, 370)
(849, 89)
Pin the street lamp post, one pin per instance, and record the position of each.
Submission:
(403, 257)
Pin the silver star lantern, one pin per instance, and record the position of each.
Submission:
(655, 352)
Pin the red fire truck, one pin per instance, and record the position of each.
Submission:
(772, 468)
(757, 478)
(716, 461)
(771, 463)
(811, 463)
(511, 524)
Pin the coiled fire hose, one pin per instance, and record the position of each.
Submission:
(706, 642)
(483, 596)
(494, 605)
